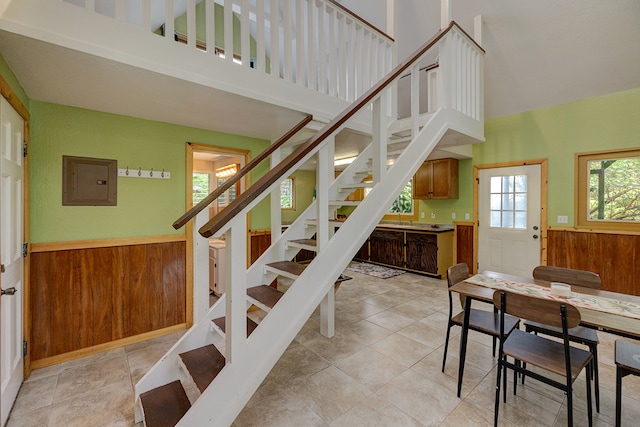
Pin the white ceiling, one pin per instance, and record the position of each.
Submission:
(538, 53)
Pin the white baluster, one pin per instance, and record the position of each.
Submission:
(351, 61)
(191, 23)
(236, 288)
(210, 25)
(119, 10)
(169, 18)
(360, 67)
(228, 30)
(312, 43)
(276, 207)
(342, 56)
(245, 38)
(301, 27)
(322, 49)
(415, 99)
(261, 57)
(379, 142)
(366, 61)
(288, 42)
(332, 63)
(274, 22)
(146, 15)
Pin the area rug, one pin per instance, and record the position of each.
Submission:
(374, 270)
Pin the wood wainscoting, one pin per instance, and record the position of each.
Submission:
(91, 295)
(615, 257)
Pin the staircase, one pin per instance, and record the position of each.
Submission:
(202, 381)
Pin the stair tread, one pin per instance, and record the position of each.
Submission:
(288, 266)
(306, 242)
(221, 323)
(165, 405)
(265, 294)
(203, 364)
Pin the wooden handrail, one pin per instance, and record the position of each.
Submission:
(359, 18)
(240, 174)
(275, 174)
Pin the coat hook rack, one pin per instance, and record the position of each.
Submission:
(142, 173)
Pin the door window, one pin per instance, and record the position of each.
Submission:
(508, 202)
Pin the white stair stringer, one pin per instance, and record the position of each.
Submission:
(223, 400)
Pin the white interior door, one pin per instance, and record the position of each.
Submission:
(11, 237)
(509, 219)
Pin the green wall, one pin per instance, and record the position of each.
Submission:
(555, 133)
(146, 207)
(304, 183)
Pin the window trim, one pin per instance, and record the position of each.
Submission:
(413, 216)
(582, 194)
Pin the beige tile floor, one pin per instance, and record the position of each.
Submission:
(382, 368)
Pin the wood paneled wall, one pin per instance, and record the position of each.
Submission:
(615, 257)
(90, 296)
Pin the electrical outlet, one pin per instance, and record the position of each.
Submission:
(466, 216)
(421, 214)
(433, 215)
(453, 215)
(563, 219)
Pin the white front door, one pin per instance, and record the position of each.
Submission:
(509, 219)
(11, 239)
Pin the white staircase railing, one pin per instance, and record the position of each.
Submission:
(249, 359)
(317, 44)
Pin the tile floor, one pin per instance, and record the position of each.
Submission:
(382, 368)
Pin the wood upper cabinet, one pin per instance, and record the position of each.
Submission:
(436, 179)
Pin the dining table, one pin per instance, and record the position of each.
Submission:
(606, 311)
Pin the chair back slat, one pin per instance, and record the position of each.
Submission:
(457, 273)
(539, 310)
(570, 276)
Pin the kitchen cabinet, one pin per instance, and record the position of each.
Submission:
(436, 180)
(387, 247)
(422, 252)
(410, 248)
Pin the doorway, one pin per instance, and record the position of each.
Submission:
(511, 214)
(207, 167)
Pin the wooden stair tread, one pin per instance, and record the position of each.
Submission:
(164, 405)
(307, 243)
(221, 323)
(265, 294)
(203, 364)
(288, 266)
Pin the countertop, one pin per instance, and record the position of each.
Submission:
(417, 226)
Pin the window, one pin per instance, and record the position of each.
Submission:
(287, 194)
(201, 185)
(508, 202)
(608, 189)
(403, 204)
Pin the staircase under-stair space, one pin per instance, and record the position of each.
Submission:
(225, 356)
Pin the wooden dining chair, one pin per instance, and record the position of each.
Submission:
(486, 322)
(578, 334)
(559, 358)
(627, 357)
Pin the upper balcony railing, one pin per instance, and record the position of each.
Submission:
(317, 44)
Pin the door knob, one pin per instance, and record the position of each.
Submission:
(535, 236)
(10, 291)
(535, 227)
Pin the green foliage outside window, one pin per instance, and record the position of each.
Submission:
(201, 183)
(404, 202)
(614, 189)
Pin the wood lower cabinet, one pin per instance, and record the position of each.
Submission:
(422, 252)
(387, 247)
